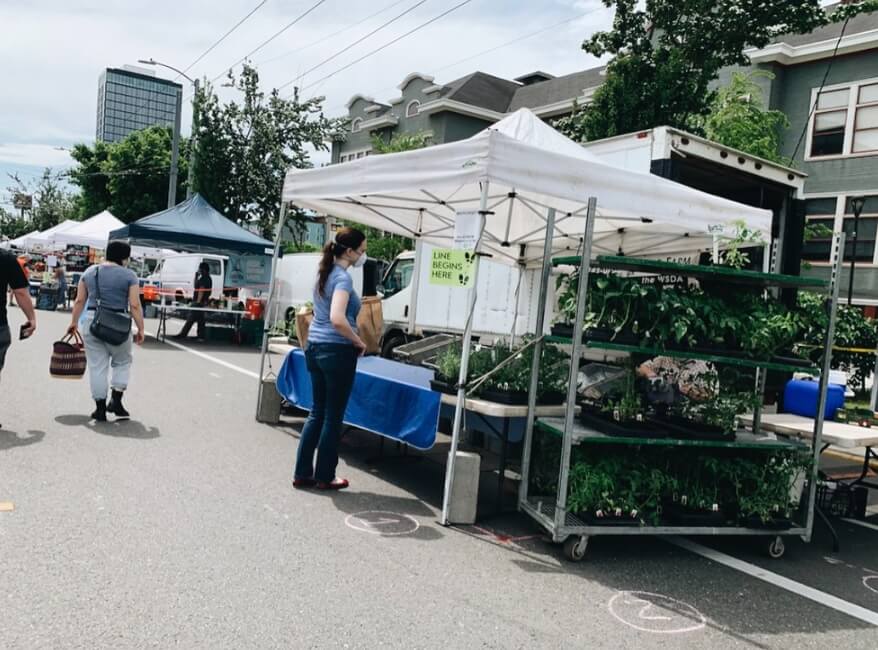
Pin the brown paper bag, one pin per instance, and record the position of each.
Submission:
(370, 324)
(304, 316)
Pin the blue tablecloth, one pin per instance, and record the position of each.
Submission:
(389, 398)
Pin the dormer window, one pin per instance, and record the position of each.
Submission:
(356, 125)
(413, 108)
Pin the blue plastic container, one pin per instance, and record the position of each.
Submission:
(800, 397)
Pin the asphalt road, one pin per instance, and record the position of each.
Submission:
(180, 528)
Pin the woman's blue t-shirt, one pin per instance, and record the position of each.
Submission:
(321, 330)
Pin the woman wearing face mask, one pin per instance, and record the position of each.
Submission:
(117, 289)
(331, 358)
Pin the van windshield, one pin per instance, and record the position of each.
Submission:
(398, 277)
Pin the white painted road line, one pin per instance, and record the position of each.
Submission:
(864, 524)
(827, 600)
(224, 364)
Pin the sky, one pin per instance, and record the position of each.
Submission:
(54, 51)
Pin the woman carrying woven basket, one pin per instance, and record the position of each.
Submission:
(110, 295)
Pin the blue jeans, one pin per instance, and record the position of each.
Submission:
(332, 367)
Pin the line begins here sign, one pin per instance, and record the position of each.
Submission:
(452, 268)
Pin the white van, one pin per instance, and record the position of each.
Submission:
(296, 276)
(175, 274)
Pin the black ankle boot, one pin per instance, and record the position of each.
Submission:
(100, 413)
(115, 406)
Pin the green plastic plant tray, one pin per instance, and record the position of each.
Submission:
(756, 278)
(743, 440)
(681, 354)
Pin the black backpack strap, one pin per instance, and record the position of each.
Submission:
(97, 285)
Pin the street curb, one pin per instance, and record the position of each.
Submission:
(844, 455)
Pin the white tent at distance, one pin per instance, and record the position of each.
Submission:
(93, 232)
(529, 167)
(47, 238)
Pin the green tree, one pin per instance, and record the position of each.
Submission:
(737, 119)
(13, 226)
(137, 171)
(244, 148)
(90, 176)
(400, 142)
(666, 53)
(52, 203)
(129, 177)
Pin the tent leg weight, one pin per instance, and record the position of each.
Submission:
(268, 408)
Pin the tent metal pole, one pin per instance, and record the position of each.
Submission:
(266, 327)
(416, 285)
(560, 517)
(545, 276)
(464, 371)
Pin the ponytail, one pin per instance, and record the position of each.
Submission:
(346, 238)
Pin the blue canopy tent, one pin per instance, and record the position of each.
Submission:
(194, 226)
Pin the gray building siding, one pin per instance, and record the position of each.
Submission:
(128, 101)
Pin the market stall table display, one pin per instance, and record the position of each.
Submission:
(165, 310)
(522, 193)
(839, 434)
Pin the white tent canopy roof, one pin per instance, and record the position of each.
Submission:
(93, 232)
(529, 167)
(21, 242)
(47, 238)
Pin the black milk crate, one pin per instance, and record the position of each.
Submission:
(842, 500)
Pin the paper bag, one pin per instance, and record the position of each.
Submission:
(304, 316)
(370, 324)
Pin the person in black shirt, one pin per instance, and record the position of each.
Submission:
(13, 278)
(203, 287)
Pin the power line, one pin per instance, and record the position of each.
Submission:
(269, 40)
(820, 90)
(224, 36)
(503, 45)
(388, 44)
(355, 43)
(333, 35)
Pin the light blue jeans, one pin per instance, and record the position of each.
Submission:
(102, 358)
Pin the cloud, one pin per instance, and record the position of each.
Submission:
(60, 47)
(29, 155)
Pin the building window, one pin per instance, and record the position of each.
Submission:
(845, 121)
(819, 212)
(866, 120)
(356, 125)
(413, 108)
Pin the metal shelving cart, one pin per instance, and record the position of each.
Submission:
(551, 512)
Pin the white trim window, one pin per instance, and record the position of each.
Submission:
(836, 213)
(845, 121)
(356, 123)
(413, 108)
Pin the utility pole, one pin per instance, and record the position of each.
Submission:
(193, 143)
(175, 154)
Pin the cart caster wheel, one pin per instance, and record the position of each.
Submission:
(776, 548)
(575, 548)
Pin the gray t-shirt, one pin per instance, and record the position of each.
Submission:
(115, 283)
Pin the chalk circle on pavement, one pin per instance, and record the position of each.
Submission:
(382, 522)
(871, 583)
(655, 613)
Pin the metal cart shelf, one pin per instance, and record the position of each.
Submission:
(551, 512)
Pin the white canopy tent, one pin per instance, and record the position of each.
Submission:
(48, 239)
(540, 194)
(93, 232)
(21, 242)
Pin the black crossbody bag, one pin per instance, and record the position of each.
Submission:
(113, 327)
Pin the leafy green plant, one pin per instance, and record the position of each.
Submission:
(734, 255)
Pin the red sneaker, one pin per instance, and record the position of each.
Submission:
(334, 484)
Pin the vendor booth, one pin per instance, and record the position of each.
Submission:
(195, 226)
(522, 194)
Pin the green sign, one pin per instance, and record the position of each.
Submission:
(452, 268)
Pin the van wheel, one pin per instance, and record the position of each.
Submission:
(390, 343)
(290, 314)
(178, 296)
